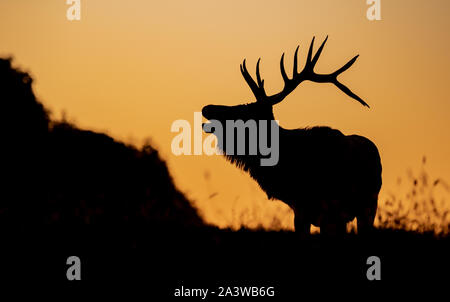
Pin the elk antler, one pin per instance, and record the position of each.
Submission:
(297, 77)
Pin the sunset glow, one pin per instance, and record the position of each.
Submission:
(131, 70)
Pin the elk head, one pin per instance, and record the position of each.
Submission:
(262, 108)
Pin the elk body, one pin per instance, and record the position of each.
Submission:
(326, 177)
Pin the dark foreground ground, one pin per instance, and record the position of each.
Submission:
(163, 260)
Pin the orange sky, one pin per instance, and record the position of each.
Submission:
(130, 68)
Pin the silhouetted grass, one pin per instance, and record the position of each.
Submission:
(420, 204)
(421, 209)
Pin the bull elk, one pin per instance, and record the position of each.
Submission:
(326, 177)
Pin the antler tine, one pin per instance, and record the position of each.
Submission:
(319, 51)
(258, 91)
(294, 69)
(289, 85)
(341, 86)
(308, 59)
(348, 92)
(283, 72)
(346, 66)
(258, 76)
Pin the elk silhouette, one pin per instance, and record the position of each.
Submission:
(326, 177)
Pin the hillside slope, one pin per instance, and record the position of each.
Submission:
(57, 173)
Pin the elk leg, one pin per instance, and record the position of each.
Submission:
(366, 217)
(302, 225)
(333, 228)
